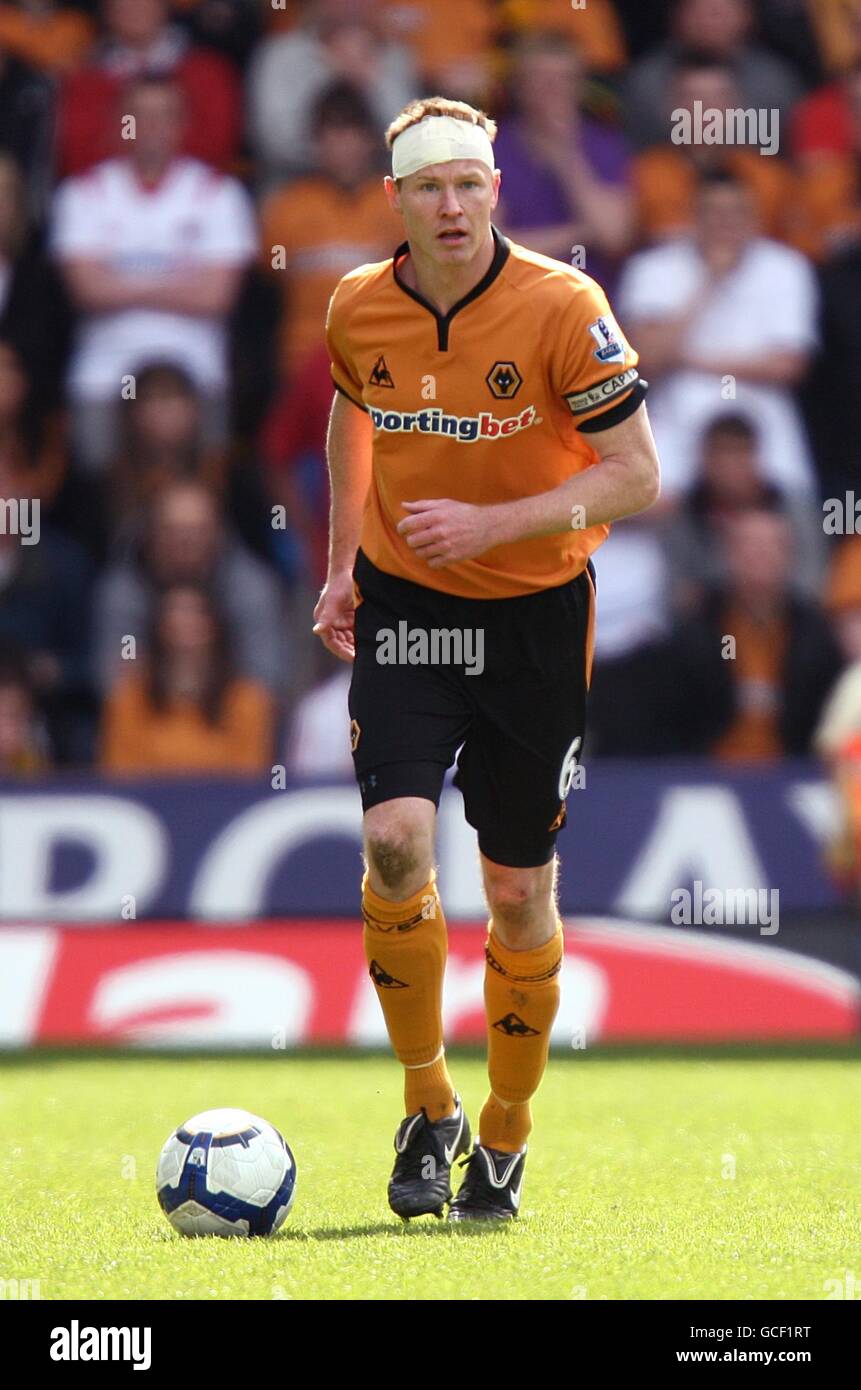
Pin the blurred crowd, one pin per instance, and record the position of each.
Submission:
(181, 187)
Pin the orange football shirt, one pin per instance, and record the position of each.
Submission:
(488, 403)
(325, 231)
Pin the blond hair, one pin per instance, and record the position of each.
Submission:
(417, 111)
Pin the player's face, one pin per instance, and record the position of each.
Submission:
(446, 209)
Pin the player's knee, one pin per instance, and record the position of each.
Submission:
(515, 896)
(396, 861)
(399, 848)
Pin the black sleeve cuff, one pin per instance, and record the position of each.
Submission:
(359, 405)
(617, 413)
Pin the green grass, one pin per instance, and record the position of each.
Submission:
(625, 1195)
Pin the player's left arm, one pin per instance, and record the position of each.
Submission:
(625, 481)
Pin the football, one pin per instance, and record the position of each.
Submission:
(226, 1173)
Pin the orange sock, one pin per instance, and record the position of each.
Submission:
(521, 997)
(429, 1086)
(406, 946)
(505, 1127)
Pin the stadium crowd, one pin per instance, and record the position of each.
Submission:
(182, 186)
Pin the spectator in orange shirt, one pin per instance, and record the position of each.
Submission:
(836, 26)
(187, 711)
(759, 697)
(594, 27)
(452, 41)
(667, 176)
(45, 34)
(23, 743)
(321, 227)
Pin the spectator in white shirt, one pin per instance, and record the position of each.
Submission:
(723, 321)
(152, 248)
(319, 742)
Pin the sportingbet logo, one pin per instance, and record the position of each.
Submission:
(466, 429)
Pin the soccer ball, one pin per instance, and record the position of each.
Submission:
(226, 1173)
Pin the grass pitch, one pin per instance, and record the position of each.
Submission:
(664, 1176)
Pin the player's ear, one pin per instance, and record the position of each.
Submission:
(392, 192)
(497, 180)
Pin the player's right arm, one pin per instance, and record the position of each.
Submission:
(349, 454)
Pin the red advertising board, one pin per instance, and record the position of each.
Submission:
(288, 983)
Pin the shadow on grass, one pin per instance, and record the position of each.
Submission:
(417, 1229)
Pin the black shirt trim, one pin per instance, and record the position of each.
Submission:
(443, 321)
(348, 396)
(617, 413)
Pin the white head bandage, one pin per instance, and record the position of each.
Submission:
(438, 140)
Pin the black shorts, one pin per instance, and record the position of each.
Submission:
(514, 705)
